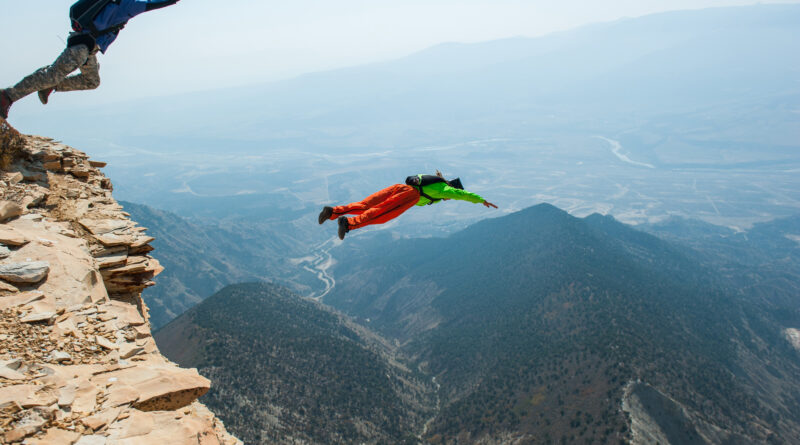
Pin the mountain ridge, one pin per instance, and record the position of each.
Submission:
(547, 303)
(575, 73)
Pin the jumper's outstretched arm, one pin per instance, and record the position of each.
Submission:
(151, 5)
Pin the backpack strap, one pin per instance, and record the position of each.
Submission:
(420, 181)
(432, 200)
(82, 14)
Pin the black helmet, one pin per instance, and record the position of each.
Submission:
(456, 183)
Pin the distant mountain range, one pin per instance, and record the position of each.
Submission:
(691, 113)
(712, 79)
(286, 370)
(772, 245)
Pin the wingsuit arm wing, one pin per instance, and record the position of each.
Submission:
(151, 5)
(448, 192)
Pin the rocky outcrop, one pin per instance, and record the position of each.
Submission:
(793, 337)
(657, 418)
(78, 364)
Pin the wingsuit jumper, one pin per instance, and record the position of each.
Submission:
(392, 201)
(95, 24)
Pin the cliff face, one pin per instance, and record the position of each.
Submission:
(78, 364)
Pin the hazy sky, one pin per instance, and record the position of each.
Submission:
(207, 44)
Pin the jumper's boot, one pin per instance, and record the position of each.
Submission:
(44, 95)
(5, 104)
(343, 227)
(325, 214)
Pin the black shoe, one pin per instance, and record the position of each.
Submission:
(343, 227)
(5, 104)
(325, 214)
(44, 95)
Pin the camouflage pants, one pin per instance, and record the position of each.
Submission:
(55, 75)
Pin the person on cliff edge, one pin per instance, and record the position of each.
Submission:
(95, 24)
(391, 202)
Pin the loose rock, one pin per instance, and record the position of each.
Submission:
(32, 272)
(9, 210)
(77, 353)
(11, 237)
(38, 317)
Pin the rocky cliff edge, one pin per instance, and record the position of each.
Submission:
(78, 364)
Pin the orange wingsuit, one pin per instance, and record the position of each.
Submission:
(392, 201)
(379, 207)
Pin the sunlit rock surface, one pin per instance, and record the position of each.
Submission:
(78, 364)
(793, 336)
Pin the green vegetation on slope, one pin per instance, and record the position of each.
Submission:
(284, 368)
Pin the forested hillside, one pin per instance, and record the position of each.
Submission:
(284, 370)
(535, 323)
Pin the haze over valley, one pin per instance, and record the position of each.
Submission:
(683, 113)
(638, 284)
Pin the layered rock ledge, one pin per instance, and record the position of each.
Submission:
(78, 364)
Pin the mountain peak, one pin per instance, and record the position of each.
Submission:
(556, 318)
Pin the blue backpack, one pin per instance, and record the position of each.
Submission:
(83, 13)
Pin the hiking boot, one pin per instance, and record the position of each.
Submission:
(344, 227)
(5, 104)
(325, 214)
(44, 95)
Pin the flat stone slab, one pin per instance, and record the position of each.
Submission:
(60, 356)
(114, 240)
(10, 374)
(129, 350)
(162, 428)
(27, 396)
(11, 237)
(38, 317)
(160, 388)
(20, 299)
(101, 419)
(112, 260)
(103, 226)
(32, 272)
(105, 343)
